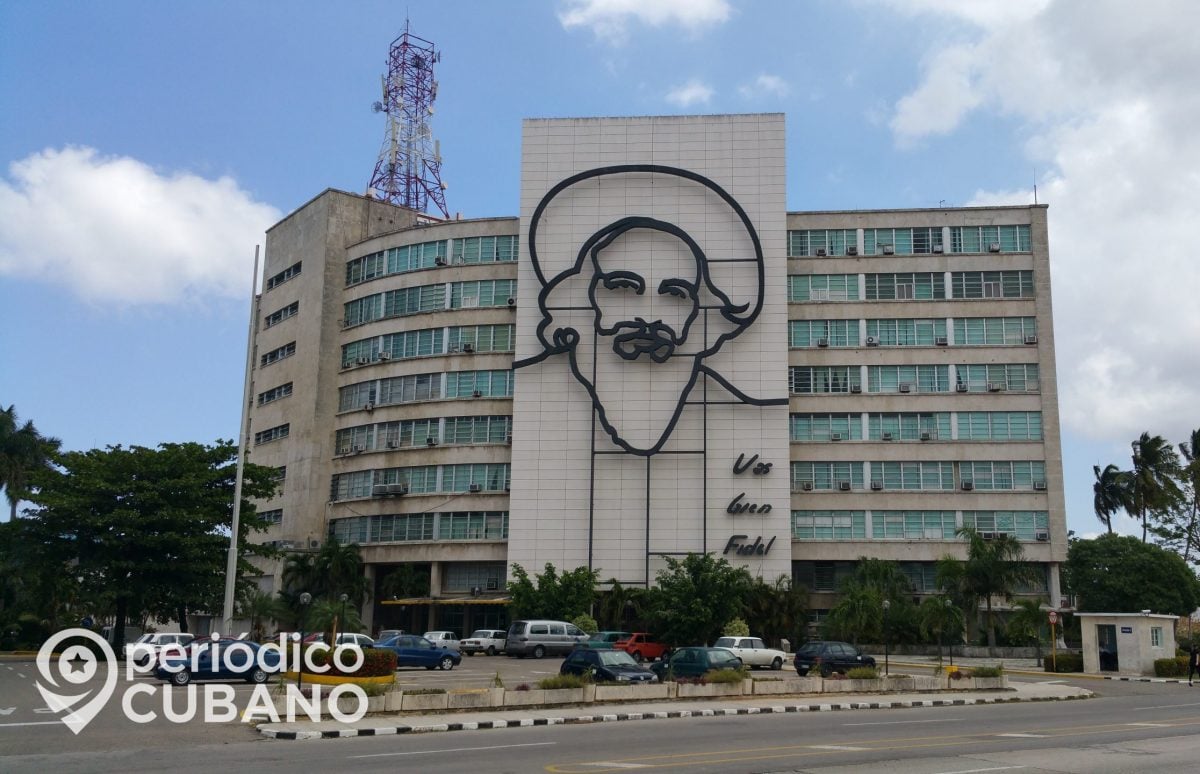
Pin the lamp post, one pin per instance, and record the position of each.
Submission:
(305, 600)
(341, 617)
(950, 604)
(887, 604)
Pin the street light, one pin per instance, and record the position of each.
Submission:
(949, 605)
(341, 618)
(305, 601)
(887, 604)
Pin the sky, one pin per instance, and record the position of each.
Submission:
(145, 147)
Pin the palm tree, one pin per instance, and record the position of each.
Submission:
(994, 568)
(1153, 486)
(341, 567)
(23, 451)
(858, 614)
(776, 611)
(300, 574)
(405, 580)
(938, 617)
(259, 606)
(1110, 493)
(1190, 449)
(1026, 622)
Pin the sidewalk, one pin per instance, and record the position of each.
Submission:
(393, 723)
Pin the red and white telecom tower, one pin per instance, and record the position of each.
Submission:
(408, 172)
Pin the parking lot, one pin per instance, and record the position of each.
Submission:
(480, 672)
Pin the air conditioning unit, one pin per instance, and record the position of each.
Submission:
(906, 387)
(876, 485)
(359, 449)
(822, 252)
(430, 440)
(807, 486)
(872, 341)
(988, 535)
(1042, 536)
(844, 486)
(960, 387)
(995, 387)
(1031, 339)
(477, 394)
(385, 355)
(856, 388)
(835, 436)
(362, 361)
(889, 249)
(379, 490)
(393, 444)
(822, 342)
(925, 436)
(512, 301)
(967, 486)
(468, 348)
(1039, 486)
(939, 249)
(941, 341)
(439, 261)
(993, 247)
(475, 488)
(493, 584)
(369, 406)
(851, 250)
(887, 436)
(397, 489)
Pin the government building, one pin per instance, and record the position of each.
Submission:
(653, 358)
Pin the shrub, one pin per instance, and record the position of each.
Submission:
(1067, 662)
(497, 682)
(987, 671)
(957, 674)
(423, 691)
(1171, 667)
(863, 673)
(377, 662)
(564, 681)
(724, 676)
(522, 687)
(586, 622)
(736, 628)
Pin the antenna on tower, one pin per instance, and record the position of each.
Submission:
(409, 169)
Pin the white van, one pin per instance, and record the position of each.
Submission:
(538, 638)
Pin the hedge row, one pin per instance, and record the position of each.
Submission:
(1171, 667)
(1067, 662)
(377, 662)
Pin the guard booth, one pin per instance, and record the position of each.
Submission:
(1126, 643)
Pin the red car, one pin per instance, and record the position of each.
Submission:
(642, 646)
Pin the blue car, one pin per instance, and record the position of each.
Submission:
(233, 659)
(414, 651)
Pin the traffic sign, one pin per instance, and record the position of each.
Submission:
(1053, 617)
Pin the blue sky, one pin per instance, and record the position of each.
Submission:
(146, 146)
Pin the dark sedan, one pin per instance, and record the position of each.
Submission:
(414, 651)
(695, 662)
(829, 657)
(609, 666)
(220, 660)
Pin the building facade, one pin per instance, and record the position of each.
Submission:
(655, 358)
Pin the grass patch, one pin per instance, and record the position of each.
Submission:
(423, 691)
(986, 671)
(721, 676)
(863, 673)
(564, 681)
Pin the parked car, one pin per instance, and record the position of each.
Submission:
(828, 657)
(147, 648)
(752, 651)
(694, 662)
(387, 634)
(642, 646)
(225, 659)
(607, 666)
(344, 638)
(537, 638)
(603, 640)
(414, 651)
(444, 639)
(489, 641)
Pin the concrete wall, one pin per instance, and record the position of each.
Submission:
(1135, 652)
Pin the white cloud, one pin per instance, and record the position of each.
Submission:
(114, 230)
(693, 92)
(609, 19)
(1107, 104)
(765, 86)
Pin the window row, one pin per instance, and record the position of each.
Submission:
(920, 240)
(402, 527)
(274, 394)
(430, 298)
(1001, 475)
(911, 286)
(912, 332)
(887, 379)
(916, 426)
(284, 276)
(429, 341)
(420, 387)
(423, 479)
(409, 433)
(917, 525)
(277, 354)
(399, 260)
(831, 576)
(279, 315)
(272, 434)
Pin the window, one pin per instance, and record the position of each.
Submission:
(822, 287)
(920, 286)
(354, 439)
(833, 241)
(406, 389)
(826, 476)
(906, 333)
(909, 426)
(992, 284)
(278, 316)
(356, 396)
(916, 476)
(813, 380)
(396, 260)
(275, 355)
(922, 576)
(823, 427)
(826, 333)
(973, 331)
(1023, 525)
(1156, 638)
(473, 525)
(398, 346)
(490, 249)
(1002, 476)
(273, 434)
(822, 576)
(284, 276)
(1000, 425)
(994, 377)
(272, 517)
(829, 525)
(274, 394)
(480, 338)
(468, 430)
(489, 384)
(901, 241)
(489, 477)
(464, 576)
(912, 525)
(905, 378)
(390, 528)
(468, 295)
(980, 239)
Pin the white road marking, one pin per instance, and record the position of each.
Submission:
(1150, 725)
(848, 748)
(1052, 682)
(616, 765)
(902, 722)
(455, 749)
(37, 723)
(974, 771)
(1166, 706)
(21, 675)
(1024, 736)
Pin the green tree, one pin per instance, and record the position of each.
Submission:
(259, 607)
(736, 628)
(1152, 486)
(1026, 623)
(940, 621)
(621, 608)
(405, 581)
(995, 567)
(586, 623)
(1110, 493)
(23, 452)
(695, 596)
(325, 615)
(1190, 475)
(1116, 573)
(777, 611)
(340, 567)
(859, 613)
(552, 596)
(150, 526)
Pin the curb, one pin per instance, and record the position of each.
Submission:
(623, 716)
(1010, 671)
(1176, 680)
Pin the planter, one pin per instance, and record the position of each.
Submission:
(316, 679)
(524, 698)
(693, 691)
(900, 684)
(988, 683)
(563, 696)
(423, 702)
(393, 701)
(474, 699)
(633, 692)
(783, 687)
